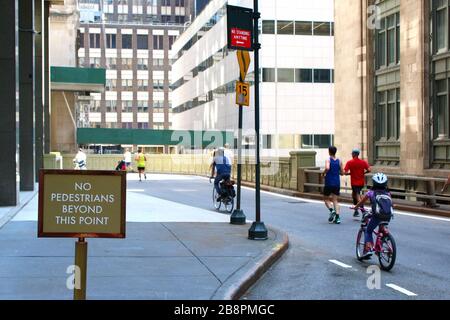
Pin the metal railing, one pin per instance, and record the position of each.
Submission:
(417, 195)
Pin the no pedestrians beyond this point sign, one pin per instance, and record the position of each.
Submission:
(240, 28)
(82, 204)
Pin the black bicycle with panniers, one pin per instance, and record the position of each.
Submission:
(227, 196)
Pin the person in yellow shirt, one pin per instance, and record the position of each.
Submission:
(141, 159)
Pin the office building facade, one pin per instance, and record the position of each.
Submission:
(132, 39)
(296, 87)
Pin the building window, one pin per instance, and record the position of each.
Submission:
(441, 25)
(127, 106)
(158, 42)
(158, 85)
(142, 85)
(303, 75)
(171, 41)
(142, 125)
(157, 104)
(111, 84)
(142, 106)
(94, 40)
(268, 75)
(142, 64)
(285, 27)
(158, 62)
(95, 106)
(158, 126)
(285, 75)
(441, 110)
(142, 41)
(127, 41)
(111, 105)
(111, 63)
(94, 62)
(179, 3)
(321, 29)
(387, 118)
(388, 41)
(322, 76)
(180, 19)
(268, 27)
(303, 28)
(316, 141)
(111, 41)
(165, 3)
(127, 63)
(127, 125)
(127, 85)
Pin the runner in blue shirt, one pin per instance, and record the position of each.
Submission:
(333, 170)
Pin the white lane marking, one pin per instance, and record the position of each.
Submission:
(136, 190)
(343, 265)
(400, 289)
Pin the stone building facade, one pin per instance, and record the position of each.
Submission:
(392, 63)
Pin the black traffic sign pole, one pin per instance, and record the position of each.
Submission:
(258, 230)
(238, 216)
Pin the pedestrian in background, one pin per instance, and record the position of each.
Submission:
(356, 168)
(80, 160)
(127, 159)
(333, 171)
(141, 159)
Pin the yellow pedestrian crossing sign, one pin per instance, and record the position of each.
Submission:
(242, 93)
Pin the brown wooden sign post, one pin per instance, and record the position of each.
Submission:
(82, 204)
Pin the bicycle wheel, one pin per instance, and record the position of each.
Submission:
(229, 204)
(388, 252)
(216, 203)
(360, 243)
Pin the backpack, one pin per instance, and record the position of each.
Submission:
(382, 206)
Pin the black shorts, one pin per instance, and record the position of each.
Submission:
(357, 189)
(327, 191)
(141, 168)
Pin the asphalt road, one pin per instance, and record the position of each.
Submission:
(321, 263)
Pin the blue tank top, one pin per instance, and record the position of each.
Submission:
(333, 179)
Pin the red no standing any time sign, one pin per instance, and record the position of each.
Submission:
(241, 38)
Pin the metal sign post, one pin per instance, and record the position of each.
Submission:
(238, 216)
(81, 247)
(258, 230)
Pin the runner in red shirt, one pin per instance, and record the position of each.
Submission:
(356, 168)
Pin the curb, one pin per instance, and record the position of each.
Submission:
(244, 279)
(15, 210)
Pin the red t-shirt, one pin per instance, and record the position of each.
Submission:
(356, 166)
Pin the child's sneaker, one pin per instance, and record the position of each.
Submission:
(337, 220)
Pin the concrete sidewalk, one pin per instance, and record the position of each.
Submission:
(173, 252)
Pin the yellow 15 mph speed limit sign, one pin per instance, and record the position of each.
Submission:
(242, 93)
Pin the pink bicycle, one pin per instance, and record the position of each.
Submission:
(384, 248)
